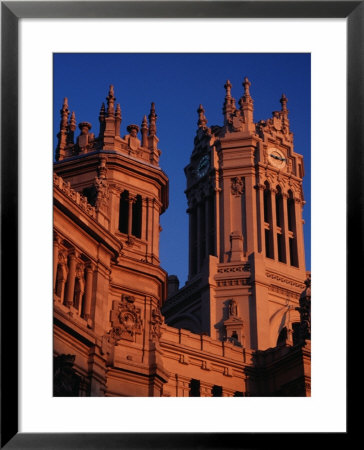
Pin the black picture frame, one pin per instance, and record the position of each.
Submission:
(11, 12)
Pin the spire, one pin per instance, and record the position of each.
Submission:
(64, 115)
(284, 114)
(144, 130)
(202, 121)
(247, 85)
(63, 131)
(152, 120)
(117, 120)
(102, 119)
(284, 101)
(229, 104)
(72, 127)
(110, 101)
(228, 87)
(246, 102)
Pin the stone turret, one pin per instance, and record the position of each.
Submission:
(109, 137)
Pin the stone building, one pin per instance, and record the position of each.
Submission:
(241, 324)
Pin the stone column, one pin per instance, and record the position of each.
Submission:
(274, 223)
(144, 233)
(260, 219)
(56, 244)
(88, 290)
(130, 213)
(71, 278)
(285, 229)
(299, 233)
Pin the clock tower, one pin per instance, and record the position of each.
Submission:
(246, 249)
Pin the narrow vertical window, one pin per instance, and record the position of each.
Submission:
(137, 218)
(124, 212)
(293, 252)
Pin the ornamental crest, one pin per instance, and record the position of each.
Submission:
(237, 186)
(125, 319)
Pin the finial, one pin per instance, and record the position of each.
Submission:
(117, 120)
(118, 111)
(152, 120)
(228, 87)
(110, 101)
(202, 121)
(144, 131)
(246, 85)
(64, 114)
(102, 120)
(229, 103)
(71, 128)
(72, 124)
(284, 101)
(102, 112)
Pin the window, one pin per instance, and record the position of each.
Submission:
(137, 218)
(216, 391)
(130, 215)
(195, 388)
(124, 212)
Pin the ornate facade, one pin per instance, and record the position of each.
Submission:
(241, 324)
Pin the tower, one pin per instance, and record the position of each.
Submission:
(108, 283)
(246, 249)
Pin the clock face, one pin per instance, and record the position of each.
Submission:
(276, 158)
(203, 166)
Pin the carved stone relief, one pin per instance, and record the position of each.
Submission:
(125, 319)
(237, 186)
(155, 324)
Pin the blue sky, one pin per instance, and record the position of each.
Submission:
(178, 83)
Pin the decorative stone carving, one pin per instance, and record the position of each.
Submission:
(155, 324)
(102, 189)
(132, 139)
(85, 138)
(233, 308)
(237, 186)
(125, 319)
